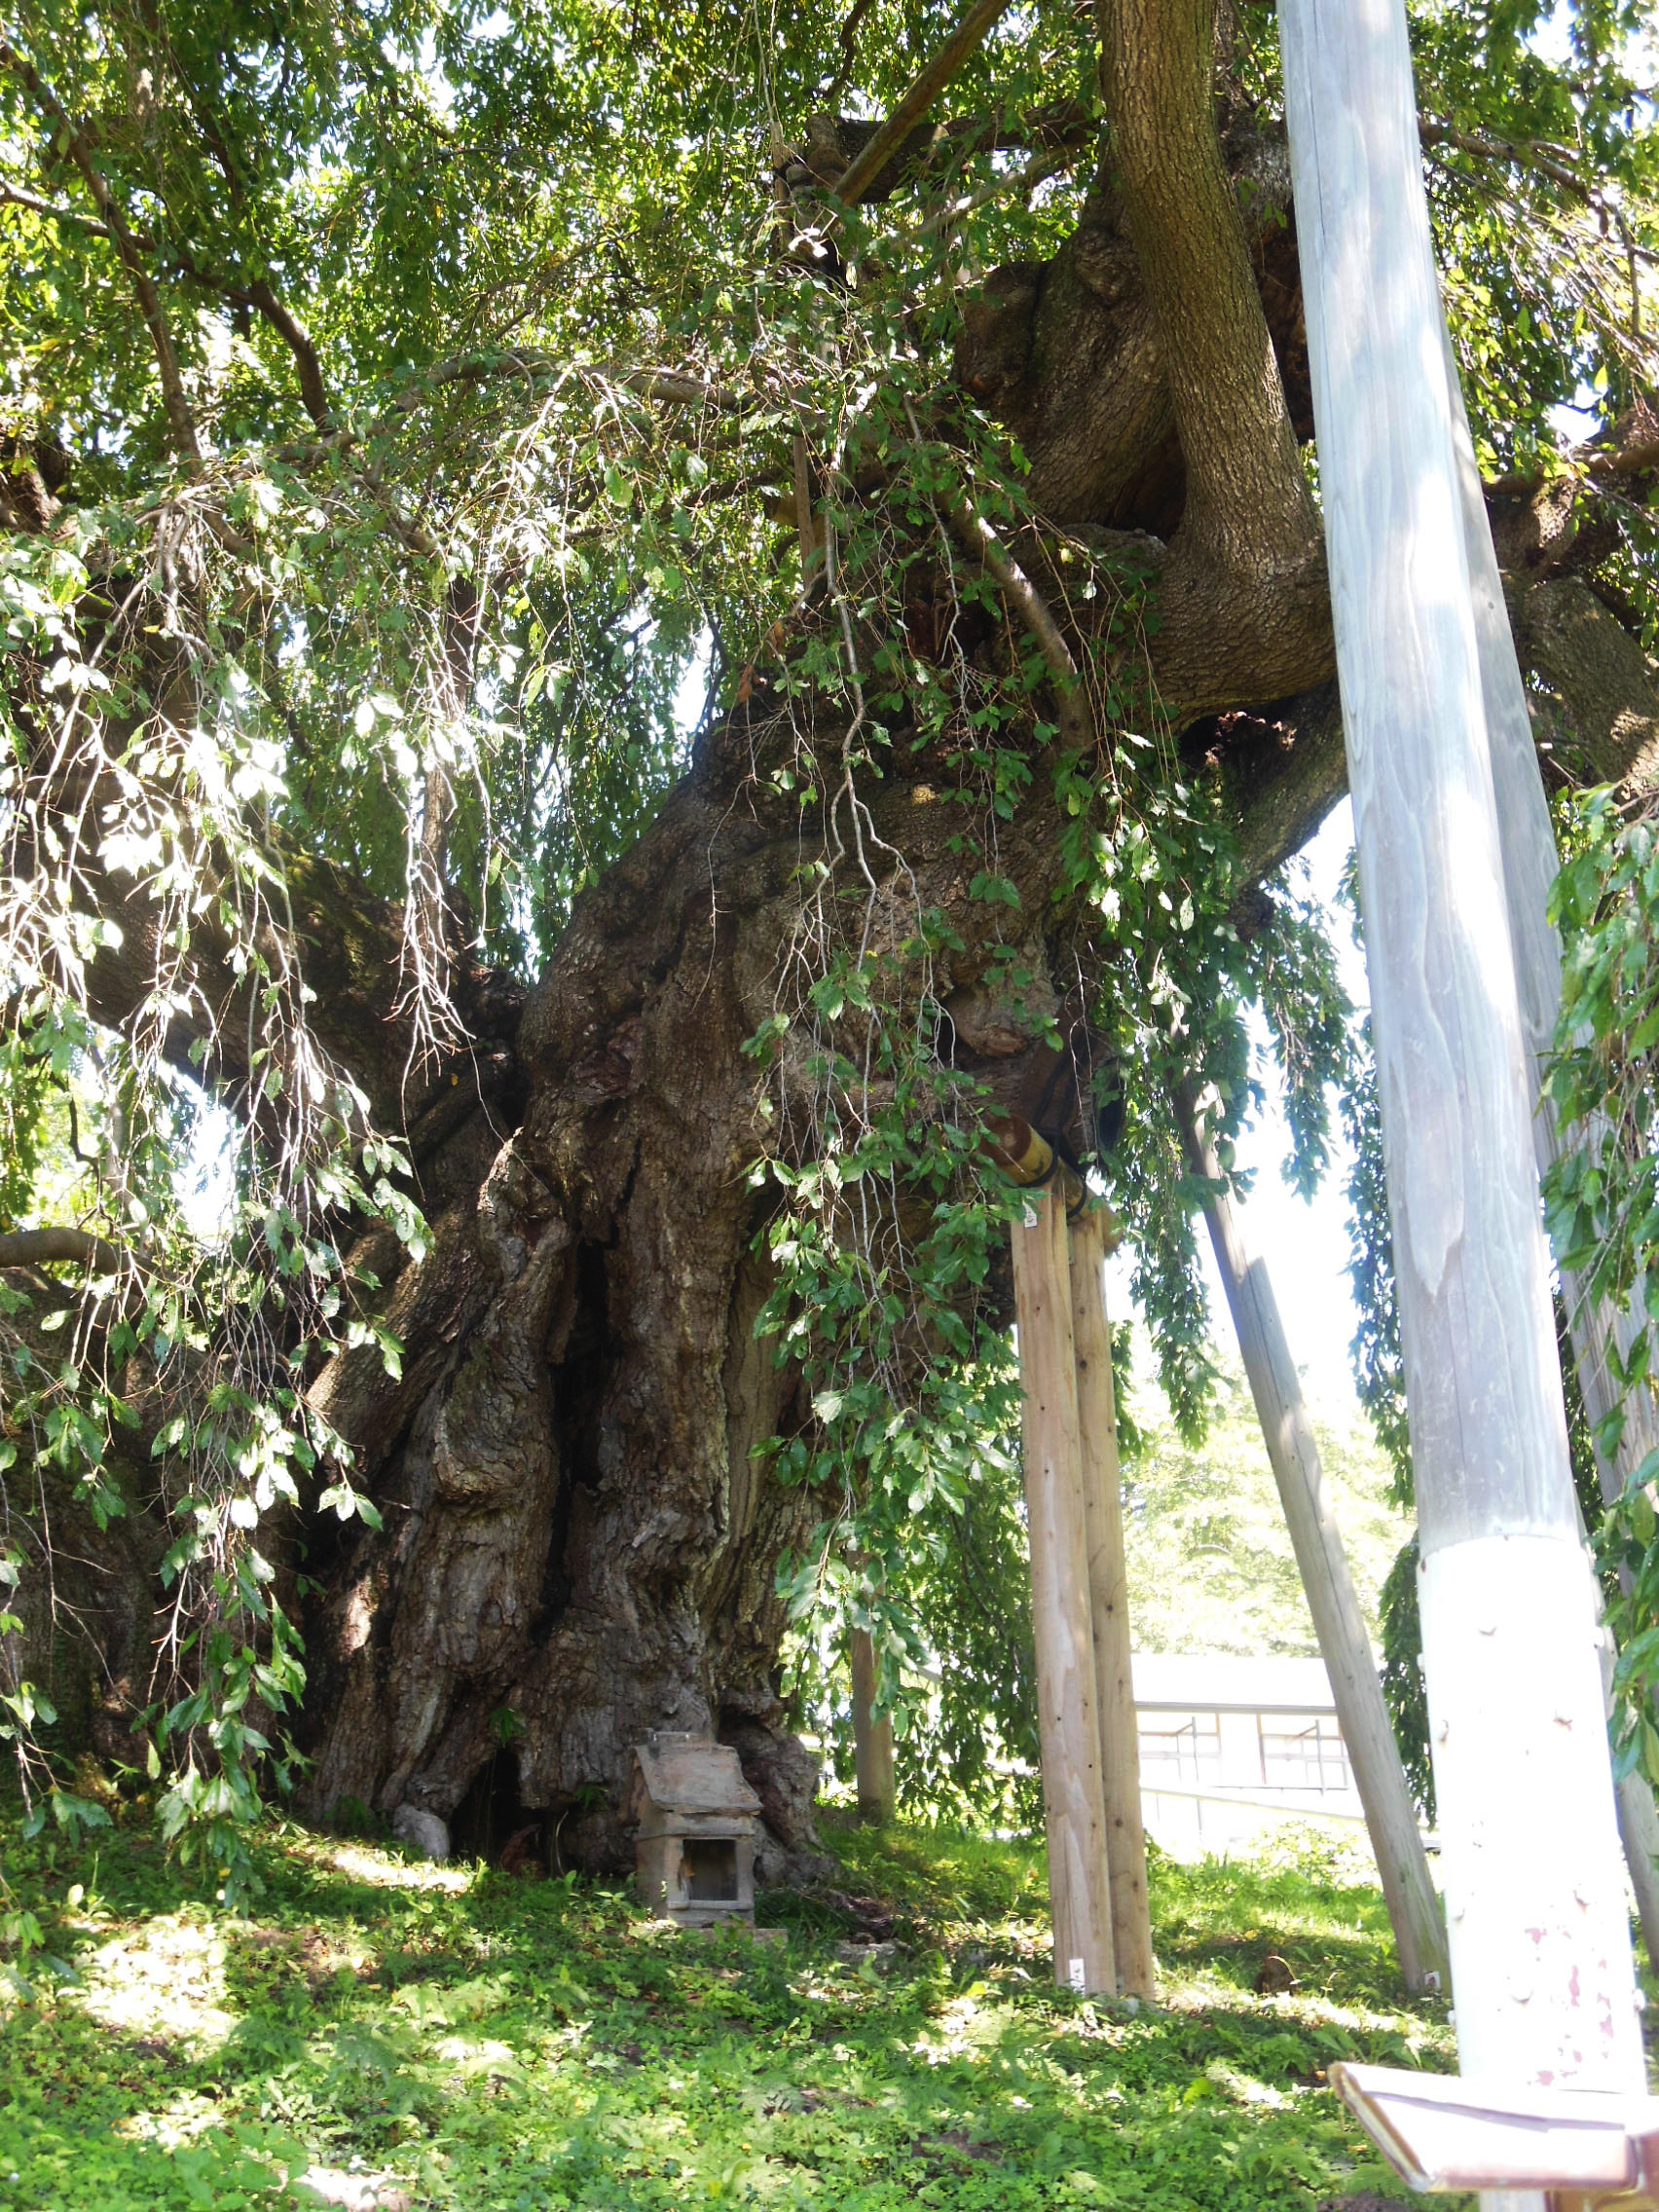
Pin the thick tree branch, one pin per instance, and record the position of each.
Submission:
(1609, 464)
(1596, 718)
(295, 336)
(42, 1248)
(1248, 505)
(14, 196)
(1280, 773)
(1598, 690)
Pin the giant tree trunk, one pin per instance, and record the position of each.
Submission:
(575, 1529)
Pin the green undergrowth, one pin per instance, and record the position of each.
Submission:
(424, 2037)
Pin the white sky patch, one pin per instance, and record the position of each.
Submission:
(207, 1190)
(691, 699)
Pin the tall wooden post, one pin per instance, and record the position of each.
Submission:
(1531, 863)
(1109, 1606)
(872, 1735)
(1541, 1965)
(1073, 1806)
(1413, 1909)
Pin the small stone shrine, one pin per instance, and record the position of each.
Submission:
(697, 1820)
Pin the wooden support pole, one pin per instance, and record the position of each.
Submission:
(1541, 1965)
(872, 1735)
(1413, 1909)
(1109, 1606)
(1530, 863)
(1073, 1806)
(916, 99)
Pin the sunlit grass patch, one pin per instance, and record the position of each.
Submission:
(471, 2040)
(389, 1872)
(166, 1979)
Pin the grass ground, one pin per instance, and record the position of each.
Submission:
(412, 2036)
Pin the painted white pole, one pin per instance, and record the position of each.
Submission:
(1543, 1975)
(1390, 1818)
(1531, 863)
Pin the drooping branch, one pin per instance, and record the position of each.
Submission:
(1032, 611)
(260, 296)
(848, 41)
(1547, 159)
(347, 953)
(180, 419)
(296, 336)
(14, 196)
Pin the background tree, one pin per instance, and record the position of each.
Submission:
(596, 687)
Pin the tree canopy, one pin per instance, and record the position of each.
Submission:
(596, 687)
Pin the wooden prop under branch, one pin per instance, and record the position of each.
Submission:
(1091, 1236)
(866, 166)
(1067, 1718)
(872, 1735)
(1027, 1158)
(1413, 1910)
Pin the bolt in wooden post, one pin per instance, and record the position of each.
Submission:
(1413, 1909)
(1542, 1965)
(1073, 1806)
(872, 1735)
(1109, 1605)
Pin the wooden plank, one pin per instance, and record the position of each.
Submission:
(872, 1735)
(1541, 1950)
(1531, 863)
(1109, 1606)
(1390, 1819)
(1069, 1730)
(1448, 2134)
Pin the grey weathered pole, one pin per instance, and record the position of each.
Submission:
(1542, 1973)
(1069, 1731)
(1109, 1605)
(1531, 863)
(1413, 1909)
